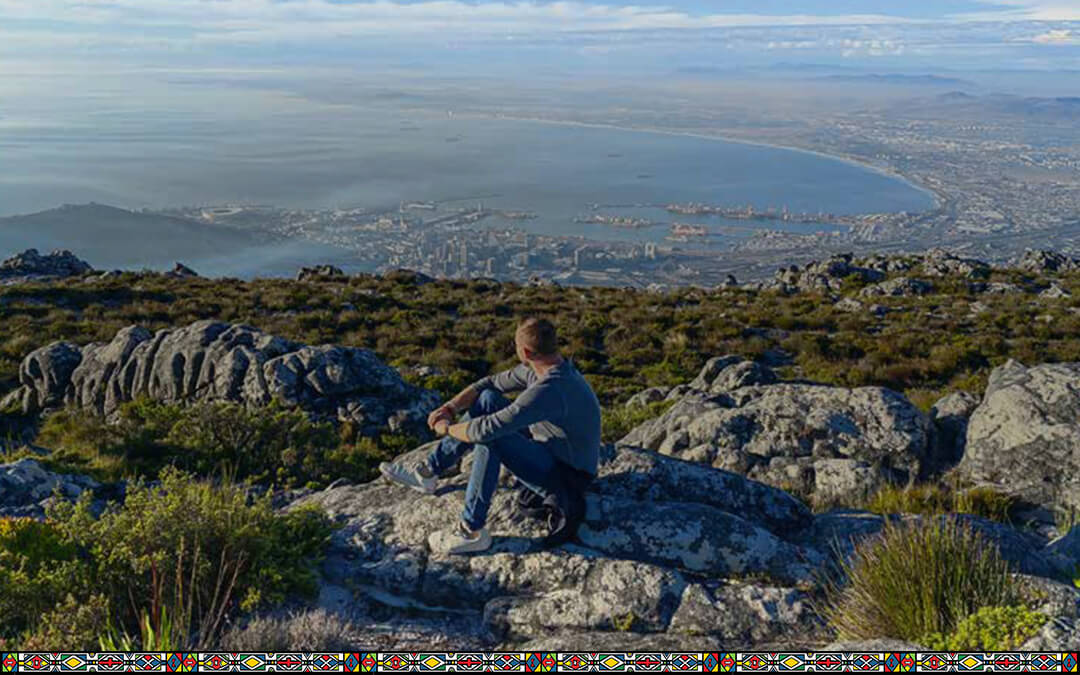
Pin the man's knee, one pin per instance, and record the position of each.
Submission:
(488, 402)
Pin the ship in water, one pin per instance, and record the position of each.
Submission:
(685, 230)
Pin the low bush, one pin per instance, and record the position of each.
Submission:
(916, 580)
(171, 565)
(38, 566)
(990, 629)
(274, 444)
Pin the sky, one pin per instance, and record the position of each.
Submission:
(478, 34)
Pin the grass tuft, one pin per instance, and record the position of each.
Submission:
(937, 499)
(618, 421)
(917, 579)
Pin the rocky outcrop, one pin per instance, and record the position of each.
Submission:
(727, 373)
(26, 488)
(824, 276)
(848, 305)
(852, 305)
(1024, 438)
(319, 272)
(1067, 548)
(661, 540)
(1041, 262)
(994, 288)
(647, 396)
(940, 263)
(405, 276)
(181, 271)
(839, 444)
(213, 361)
(898, 287)
(31, 264)
(1054, 292)
(839, 531)
(1056, 635)
(888, 264)
(829, 275)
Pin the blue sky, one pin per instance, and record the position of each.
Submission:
(964, 33)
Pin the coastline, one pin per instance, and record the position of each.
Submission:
(938, 199)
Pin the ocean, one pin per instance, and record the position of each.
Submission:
(255, 147)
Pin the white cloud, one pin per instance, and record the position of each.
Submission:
(255, 20)
(1026, 10)
(89, 27)
(1057, 37)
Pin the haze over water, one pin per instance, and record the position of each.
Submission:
(248, 146)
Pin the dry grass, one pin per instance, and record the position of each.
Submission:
(310, 631)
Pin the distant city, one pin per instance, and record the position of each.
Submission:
(467, 243)
(1008, 182)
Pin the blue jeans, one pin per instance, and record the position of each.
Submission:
(530, 461)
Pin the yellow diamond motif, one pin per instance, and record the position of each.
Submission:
(790, 662)
(610, 662)
(73, 662)
(252, 661)
(969, 661)
(432, 661)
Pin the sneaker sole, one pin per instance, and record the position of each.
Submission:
(397, 481)
(482, 545)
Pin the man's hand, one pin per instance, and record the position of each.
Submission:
(441, 427)
(442, 413)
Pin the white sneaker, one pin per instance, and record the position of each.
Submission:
(457, 541)
(409, 477)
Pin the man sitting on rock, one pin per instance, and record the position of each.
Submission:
(549, 438)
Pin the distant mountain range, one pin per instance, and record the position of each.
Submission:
(109, 237)
(1060, 109)
(897, 79)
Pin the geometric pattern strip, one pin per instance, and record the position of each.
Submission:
(536, 662)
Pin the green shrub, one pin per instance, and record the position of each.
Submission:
(917, 579)
(274, 444)
(618, 421)
(38, 567)
(990, 629)
(172, 564)
(73, 624)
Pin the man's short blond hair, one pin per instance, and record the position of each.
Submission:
(538, 336)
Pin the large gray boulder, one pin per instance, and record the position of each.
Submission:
(1024, 438)
(659, 538)
(748, 614)
(1057, 634)
(841, 443)
(214, 361)
(46, 376)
